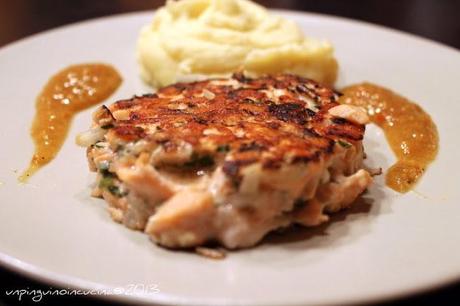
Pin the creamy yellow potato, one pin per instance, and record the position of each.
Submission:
(198, 39)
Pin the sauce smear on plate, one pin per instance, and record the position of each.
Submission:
(68, 92)
(410, 132)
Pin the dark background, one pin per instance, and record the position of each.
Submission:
(434, 19)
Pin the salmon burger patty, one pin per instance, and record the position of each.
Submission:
(227, 160)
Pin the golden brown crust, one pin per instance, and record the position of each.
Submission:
(272, 120)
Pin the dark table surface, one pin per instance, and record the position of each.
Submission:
(434, 19)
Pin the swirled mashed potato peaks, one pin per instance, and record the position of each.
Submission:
(198, 39)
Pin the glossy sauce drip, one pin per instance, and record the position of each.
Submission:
(68, 92)
(409, 130)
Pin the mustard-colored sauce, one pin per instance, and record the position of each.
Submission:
(409, 130)
(68, 92)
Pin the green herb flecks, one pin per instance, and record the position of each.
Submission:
(344, 143)
(108, 181)
(197, 161)
(223, 148)
(116, 191)
(98, 145)
(107, 126)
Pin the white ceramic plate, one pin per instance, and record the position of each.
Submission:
(389, 245)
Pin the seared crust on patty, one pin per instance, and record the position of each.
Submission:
(272, 120)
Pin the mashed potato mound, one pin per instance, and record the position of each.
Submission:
(198, 39)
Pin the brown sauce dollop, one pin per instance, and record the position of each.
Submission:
(68, 92)
(410, 132)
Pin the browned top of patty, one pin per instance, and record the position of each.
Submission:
(272, 120)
